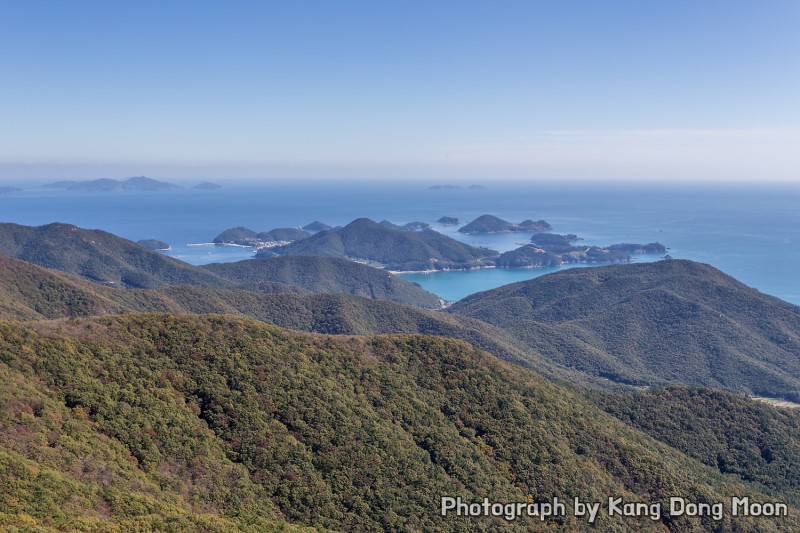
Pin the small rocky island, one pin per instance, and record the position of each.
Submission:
(493, 224)
(448, 221)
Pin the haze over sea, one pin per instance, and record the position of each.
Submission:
(750, 231)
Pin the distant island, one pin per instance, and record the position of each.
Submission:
(552, 249)
(136, 183)
(493, 224)
(6, 190)
(448, 221)
(153, 244)
(207, 186)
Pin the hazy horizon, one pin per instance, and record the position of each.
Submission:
(415, 90)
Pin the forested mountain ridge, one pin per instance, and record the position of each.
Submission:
(629, 327)
(652, 323)
(736, 435)
(28, 292)
(98, 256)
(251, 422)
(102, 257)
(324, 275)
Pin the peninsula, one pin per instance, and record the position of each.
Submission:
(393, 248)
(241, 236)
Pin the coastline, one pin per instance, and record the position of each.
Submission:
(434, 271)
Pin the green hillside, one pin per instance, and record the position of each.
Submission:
(198, 421)
(110, 260)
(392, 248)
(568, 349)
(652, 323)
(736, 435)
(98, 256)
(324, 274)
(28, 292)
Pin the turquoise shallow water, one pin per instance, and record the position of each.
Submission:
(453, 286)
(749, 231)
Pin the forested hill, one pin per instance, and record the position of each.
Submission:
(101, 257)
(667, 321)
(742, 353)
(736, 435)
(98, 256)
(28, 292)
(324, 274)
(394, 249)
(212, 422)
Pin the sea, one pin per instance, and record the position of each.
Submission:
(750, 231)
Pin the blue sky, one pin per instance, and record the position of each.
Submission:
(401, 89)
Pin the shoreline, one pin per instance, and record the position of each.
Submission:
(221, 244)
(434, 271)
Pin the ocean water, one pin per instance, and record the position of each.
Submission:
(749, 231)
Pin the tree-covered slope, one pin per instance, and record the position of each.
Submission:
(31, 292)
(28, 292)
(668, 321)
(98, 256)
(393, 248)
(60, 470)
(324, 274)
(144, 417)
(736, 435)
(570, 349)
(102, 257)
